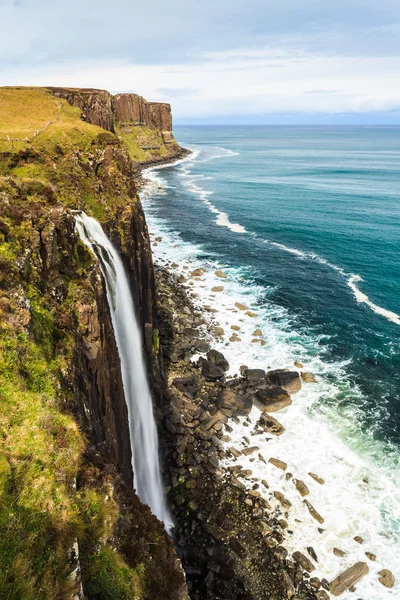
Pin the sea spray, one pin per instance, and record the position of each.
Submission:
(142, 426)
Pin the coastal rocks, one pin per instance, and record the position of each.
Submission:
(211, 371)
(315, 514)
(338, 552)
(273, 399)
(218, 359)
(254, 376)
(241, 306)
(217, 288)
(301, 487)
(386, 578)
(348, 578)
(303, 561)
(270, 424)
(308, 378)
(279, 464)
(221, 274)
(287, 380)
(317, 478)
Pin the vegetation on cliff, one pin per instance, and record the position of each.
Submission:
(56, 488)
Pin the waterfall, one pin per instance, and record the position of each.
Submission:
(142, 426)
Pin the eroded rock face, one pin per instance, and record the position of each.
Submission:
(101, 108)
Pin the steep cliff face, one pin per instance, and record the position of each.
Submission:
(65, 469)
(146, 127)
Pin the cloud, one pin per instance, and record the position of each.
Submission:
(211, 59)
(177, 92)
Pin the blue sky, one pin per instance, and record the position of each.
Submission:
(220, 61)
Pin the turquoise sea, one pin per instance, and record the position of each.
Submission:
(306, 222)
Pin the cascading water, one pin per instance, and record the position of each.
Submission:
(142, 427)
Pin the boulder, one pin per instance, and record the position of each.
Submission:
(282, 500)
(235, 327)
(371, 556)
(217, 288)
(348, 578)
(221, 274)
(321, 595)
(303, 561)
(386, 578)
(211, 371)
(279, 464)
(358, 539)
(338, 552)
(308, 378)
(241, 306)
(298, 364)
(288, 380)
(270, 424)
(315, 515)
(251, 450)
(317, 478)
(254, 376)
(301, 487)
(250, 313)
(273, 399)
(257, 333)
(218, 359)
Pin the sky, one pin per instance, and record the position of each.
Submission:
(216, 61)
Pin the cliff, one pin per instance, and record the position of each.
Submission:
(145, 127)
(65, 470)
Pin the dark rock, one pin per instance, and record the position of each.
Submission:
(211, 371)
(288, 380)
(303, 561)
(270, 424)
(254, 376)
(273, 399)
(218, 359)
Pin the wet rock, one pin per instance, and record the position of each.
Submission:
(321, 595)
(317, 478)
(370, 556)
(298, 364)
(248, 451)
(282, 500)
(358, 539)
(301, 487)
(234, 452)
(260, 457)
(312, 553)
(315, 583)
(218, 288)
(254, 376)
(348, 578)
(386, 578)
(211, 371)
(338, 552)
(221, 274)
(235, 338)
(218, 359)
(273, 399)
(251, 314)
(308, 378)
(257, 333)
(241, 306)
(315, 515)
(279, 464)
(219, 331)
(270, 424)
(288, 380)
(303, 561)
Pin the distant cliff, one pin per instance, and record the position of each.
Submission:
(146, 127)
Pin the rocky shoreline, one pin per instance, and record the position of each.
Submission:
(231, 528)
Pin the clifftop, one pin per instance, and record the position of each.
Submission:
(145, 127)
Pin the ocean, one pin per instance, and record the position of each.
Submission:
(305, 223)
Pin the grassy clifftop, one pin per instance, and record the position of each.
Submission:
(55, 490)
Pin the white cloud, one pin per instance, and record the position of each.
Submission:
(241, 82)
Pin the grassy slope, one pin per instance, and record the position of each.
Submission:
(41, 446)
